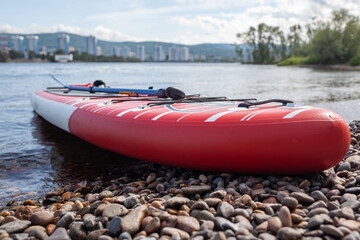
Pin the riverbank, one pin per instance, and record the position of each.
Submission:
(337, 67)
(171, 203)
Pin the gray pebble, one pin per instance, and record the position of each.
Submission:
(125, 236)
(114, 226)
(65, 221)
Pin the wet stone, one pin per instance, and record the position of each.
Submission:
(318, 204)
(260, 218)
(176, 202)
(23, 213)
(315, 222)
(303, 198)
(318, 211)
(318, 195)
(225, 210)
(290, 202)
(132, 222)
(131, 201)
(94, 235)
(153, 225)
(65, 221)
(287, 233)
(19, 236)
(106, 194)
(60, 233)
(200, 205)
(212, 202)
(274, 224)
(192, 190)
(42, 218)
(202, 215)
(285, 217)
(225, 224)
(267, 236)
(354, 204)
(187, 224)
(77, 231)
(353, 190)
(38, 234)
(125, 236)
(113, 210)
(218, 194)
(15, 226)
(114, 226)
(175, 233)
(343, 166)
(331, 231)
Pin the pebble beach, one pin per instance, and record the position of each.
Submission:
(160, 202)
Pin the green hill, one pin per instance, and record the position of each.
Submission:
(49, 40)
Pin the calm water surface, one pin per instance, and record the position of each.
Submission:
(35, 156)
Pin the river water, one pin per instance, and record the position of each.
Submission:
(35, 156)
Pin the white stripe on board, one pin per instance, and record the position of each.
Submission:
(213, 118)
(160, 115)
(257, 114)
(88, 105)
(248, 116)
(296, 112)
(183, 116)
(124, 112)
(144, 113)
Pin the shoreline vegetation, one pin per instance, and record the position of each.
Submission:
(160, 202)
(332, 44)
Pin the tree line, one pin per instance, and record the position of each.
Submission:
(336, 41)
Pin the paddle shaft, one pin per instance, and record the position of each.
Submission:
(171, 92)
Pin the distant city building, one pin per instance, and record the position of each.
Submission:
(115, 51)
(140, 52)
(3, 42)
(72, 49)
(99, 52)
(91, 45)
(18, 43)
(63, 57)
(42, 50)
(125, 51)
(158, 54)
(179, 54)
(64, 43)
(33, 44)
(173, 54)
(184, 54)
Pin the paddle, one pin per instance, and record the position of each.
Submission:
(170, 92)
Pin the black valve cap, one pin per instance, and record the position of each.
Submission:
(174, 93)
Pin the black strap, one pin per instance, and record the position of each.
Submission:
(249, 104)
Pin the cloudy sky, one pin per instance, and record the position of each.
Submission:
(180, 21)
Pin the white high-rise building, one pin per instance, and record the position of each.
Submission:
(64, 42)
(173, 54)
(140, 52)
(158, 55)
(184, 54)
(125, 51)
(18, 43)
(33, 44)
(91, 45)
(116, 51)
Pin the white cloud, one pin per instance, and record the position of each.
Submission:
(100, 31)
(196, 21)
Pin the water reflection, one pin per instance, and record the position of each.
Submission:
(71, 158)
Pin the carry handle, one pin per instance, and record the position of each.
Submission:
(249, 104)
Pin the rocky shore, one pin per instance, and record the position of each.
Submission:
(161, 202)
